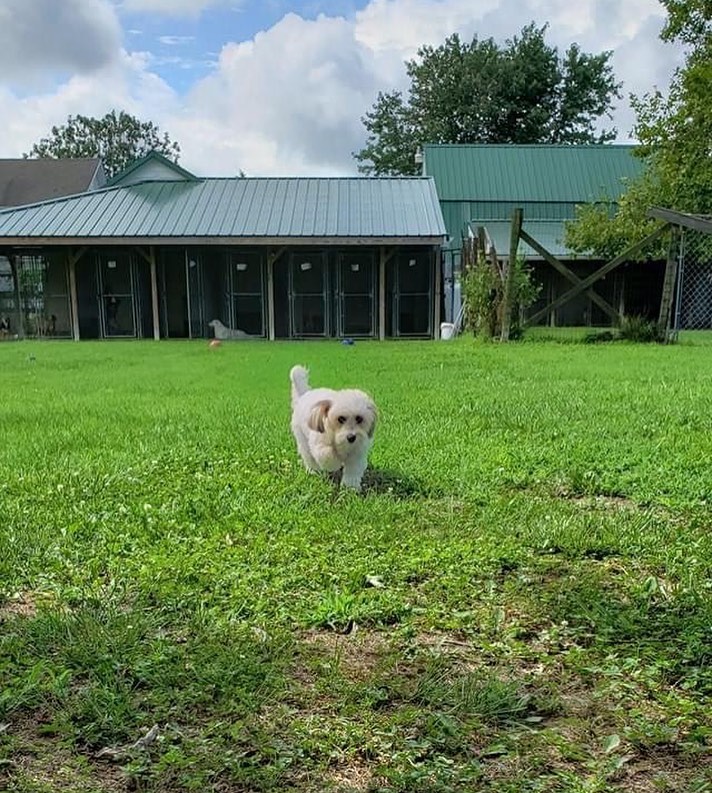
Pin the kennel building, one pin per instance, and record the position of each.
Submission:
(160, 253)
(480, 186)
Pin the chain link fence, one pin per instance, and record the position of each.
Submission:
(694, 281)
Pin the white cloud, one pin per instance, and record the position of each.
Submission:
(403, 25)
(173, 40)
(302, 107)
(37, 36)
(290, 100)
(125, 84)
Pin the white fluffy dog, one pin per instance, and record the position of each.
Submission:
(223, 333)
(333, 429)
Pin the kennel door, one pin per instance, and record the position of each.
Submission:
(194, 289)
(308, 294)
(356, 294)
(414, 294)
(117, 294)
(247, 292)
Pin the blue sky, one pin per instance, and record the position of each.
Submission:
(274, 86)
(187, 47)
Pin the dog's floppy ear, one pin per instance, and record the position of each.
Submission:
(317, 416)
(374, 417)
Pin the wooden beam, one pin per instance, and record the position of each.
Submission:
(270, 301)
(187, 294)
(382, 294)
(271, 259)
(481, 242)
(669, 284)
(77, 255)
(310, 242)
(436, 258)
(272, 256)
(619, 288)
(695, 222)
(607, 268)
(390, 253)
(15, 268)
(385, 256)
(73, 297)
(145, 254)
(516, 229)
(569, 275)
(154, 294)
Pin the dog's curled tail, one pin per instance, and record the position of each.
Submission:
(300, 382)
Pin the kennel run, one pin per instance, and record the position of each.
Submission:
(275, 258)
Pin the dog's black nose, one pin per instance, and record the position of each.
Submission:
(351, 438)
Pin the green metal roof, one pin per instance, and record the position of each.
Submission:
(549, 233)
(256, 209)
(521, 173)
(150, 158)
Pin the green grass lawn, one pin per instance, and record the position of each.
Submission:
(520, 601)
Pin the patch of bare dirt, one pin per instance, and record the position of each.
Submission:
(610, 502)
(357, 654)
(22, 604)
(43, 761)
(353, 777)
(665, 771)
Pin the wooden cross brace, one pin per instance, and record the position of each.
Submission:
(584, 284)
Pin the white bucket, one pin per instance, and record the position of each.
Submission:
(447, 330)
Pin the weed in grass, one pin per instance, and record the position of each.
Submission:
(479, 694)
(639, 329)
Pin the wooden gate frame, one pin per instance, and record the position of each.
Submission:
(579, 284)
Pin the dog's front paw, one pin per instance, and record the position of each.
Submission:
(351, 482)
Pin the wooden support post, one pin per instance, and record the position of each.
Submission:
(664, 319)
(619, 290)
(436, 257)
(15, 267)
(73, 296)
(187, 294)
(382, 294)
(517, 218)
(607, 268)
(270, 300)
(271, 259)
(154, 294)
(481, 244)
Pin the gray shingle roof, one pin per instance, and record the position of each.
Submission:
(28, 181)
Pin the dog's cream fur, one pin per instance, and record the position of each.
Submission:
(223, 333)
(333, 429)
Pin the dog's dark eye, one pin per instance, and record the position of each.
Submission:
(342, 419)
(359, 419)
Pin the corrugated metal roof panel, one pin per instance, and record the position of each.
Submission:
(549, 233)
(251, 207)
(507, 172)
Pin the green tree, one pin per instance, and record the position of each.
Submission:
(118, 138)
(674, 132)
(689, 21)
(482, 92)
